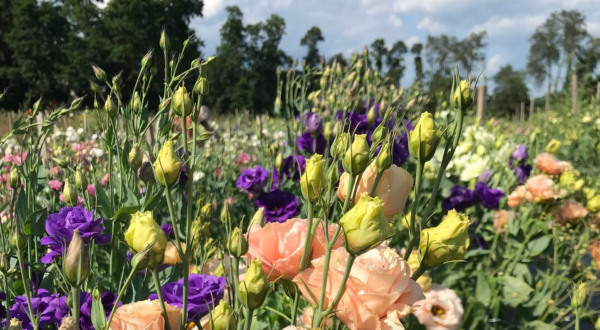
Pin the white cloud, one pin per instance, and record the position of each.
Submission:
(412, 40)
(427, 24)
(498, 25)
(493, 65)
(394, 20)
(213, 7)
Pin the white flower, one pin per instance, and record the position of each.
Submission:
(198, 176)
(80, 131)
(474, 168)
(442, 309)
(96, 152)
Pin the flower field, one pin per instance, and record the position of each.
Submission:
(354, 205)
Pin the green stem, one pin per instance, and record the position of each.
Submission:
(248, 316)
(76, 290)
(7, 301)
(308, 240)
(236, 281)
(420, 271)
(349, 264)
(26, 287)
(376, 183)
(412, 230)
(172, 214)
(120, 296)
(295, 307)
(348, 193)
(160, 298)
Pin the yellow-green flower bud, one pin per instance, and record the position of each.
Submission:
(279, 162)
(237, 245)
(14, 179)
(589, 193)
(96, 89)
(594, 204)
(357, 157)
(463, 95)
(328, 131)
(553, 146)
(69, 194)
(135, 157)
(142, 232)
(142, 259)
(147, 60)
(164, 104)
(579, 296)
(225, 212)
(165, 42)
(258, 218)
(222, 317)
(384, 159)
(117, 80)
(340, 145)
(365, 226)
(313, 181)
(76, 103)
(18, 239)
(167, 167)
(424, 138)
(136, 104)
(371, 116)
(4, 263)
(15, 324)
(80, 180)
(201, 87)
(99, 73)
(77, 261)
(379, 133)
(110, 108)
(182, 104)
(333, 174)
(447, 242)
(37, 105)
(255, 286)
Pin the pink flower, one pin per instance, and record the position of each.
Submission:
(441, 310)
(104, 180)
(244, 158)
(230, 200)
(571, 211)
(501, 219)
(56, 171)
(548, 164)
(379, 291)
(91, 190)
(77, 147)
(280, 246)
(218, 172)
(539, 188)
(4, 178)
(55, 185)
(515, 198)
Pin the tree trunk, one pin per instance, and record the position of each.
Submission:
(548, 101)
(481, 100)
(574, 93)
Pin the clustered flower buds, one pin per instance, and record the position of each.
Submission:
(424, 138)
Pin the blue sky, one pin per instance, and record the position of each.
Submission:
(349, 25)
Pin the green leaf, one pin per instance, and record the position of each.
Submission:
(513, 226)
(104, 202)
(515, 291)
(125, 212)
(153, 201)
(476, 253)
(98, 313)
(483, 293)
(48, 282)
(538, 245)
(21, 207)
(35, 224)
(539, 325)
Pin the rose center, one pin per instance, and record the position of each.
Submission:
(438, 311)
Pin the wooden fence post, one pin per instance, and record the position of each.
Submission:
(531, 108)
(481, 104)
(41, 116)
(574, 94)
(522, 112)
(548, 102)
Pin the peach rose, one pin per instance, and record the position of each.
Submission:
(280, 246)
(594, 249)
(571, 211)
(379, 291)
(393, 188)
(441, 310)
(539, 188)
(171, 255)
(501, 220)
(548, 164)
(515, 197)
(146, 315)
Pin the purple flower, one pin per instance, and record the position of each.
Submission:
(49, 308)
(2, 309)
(279, 205)
(310, 144)
(108, 301)
(313, 123)
(460, 198)
(486, 176)
(522, 172)
(60, 227)
(253, 179)
(293, 166)
(520, 152)
(183, 178)
(353, 121)
(168, 229)
(204, 292)
(489, 197)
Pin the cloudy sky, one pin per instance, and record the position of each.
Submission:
(349, 25)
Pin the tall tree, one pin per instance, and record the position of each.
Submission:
(338, 58)
(378, 53)
(416, 51)
(394, 62)
(312, 37)
(544, 53)
(509, 92)
(573, 34)
(468, 53)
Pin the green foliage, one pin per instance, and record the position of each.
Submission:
(509, 92)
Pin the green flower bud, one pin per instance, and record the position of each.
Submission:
(328, 131)
(365, 226)
(117, 80)
(201, 87)
(15, 324)
(225, 212)
(237, 245)
(579, 296)
(135, 157)
(80, 180)
(447, 242)
(357, 157)
(182, 104)
(333, 174)
(69, 194)
(463, 95)
(99, 73)
(339, 145)
(222, 317)
(136, 104)
(76, 103)
(371, 116)
(258, 218)
(167, 166)
(4, 263)
(96, 104)
(379, 133)
(424, 137)
(37, 105)
(165, 42)
(95, 87)
(14, 179)
(147, 60)
(279, 162)
(110, 108)
(77, 261)
(384, 159)
(142, 259)
(164, 104)
(18, 239)
(313, 181)
(255, 286)
(553, 146)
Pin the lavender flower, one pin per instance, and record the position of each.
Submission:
(489, 197)
(60, 227)
(460, 198)
(108, 301)
(279, 205)
(313, 123)
(253, 179)
(49, 308)
(523, 172)
(204, 292)
(293, 166)
(520, 152)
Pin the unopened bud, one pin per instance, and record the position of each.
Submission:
(76, 103)
(237, 245)
(328, 131)
(279, 162)
(225, 212)
(69, 194)
(356, 159)
(222, 316)
(18, 239)
(135, 157)
(110, 108)
(164, 104)
(95, 87)
(14, 179)
(201, 87)
(142, 259)
(258, 217)
(37, 105)
(80, 180)
(99, 73)
(147, 60)
(165, 42)
(255, 286)
(4, 263)
(379, 133)
(136, 105)
(384, 159)
(182, 104)
(463, 95)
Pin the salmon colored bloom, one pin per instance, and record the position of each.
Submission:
(501, 220)
(379, 291)
(594, 249)
(145, 315)
(539, 188)
(393, 189)
(548, 164)
(571, 211)
(280, 244)
(515, 198)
